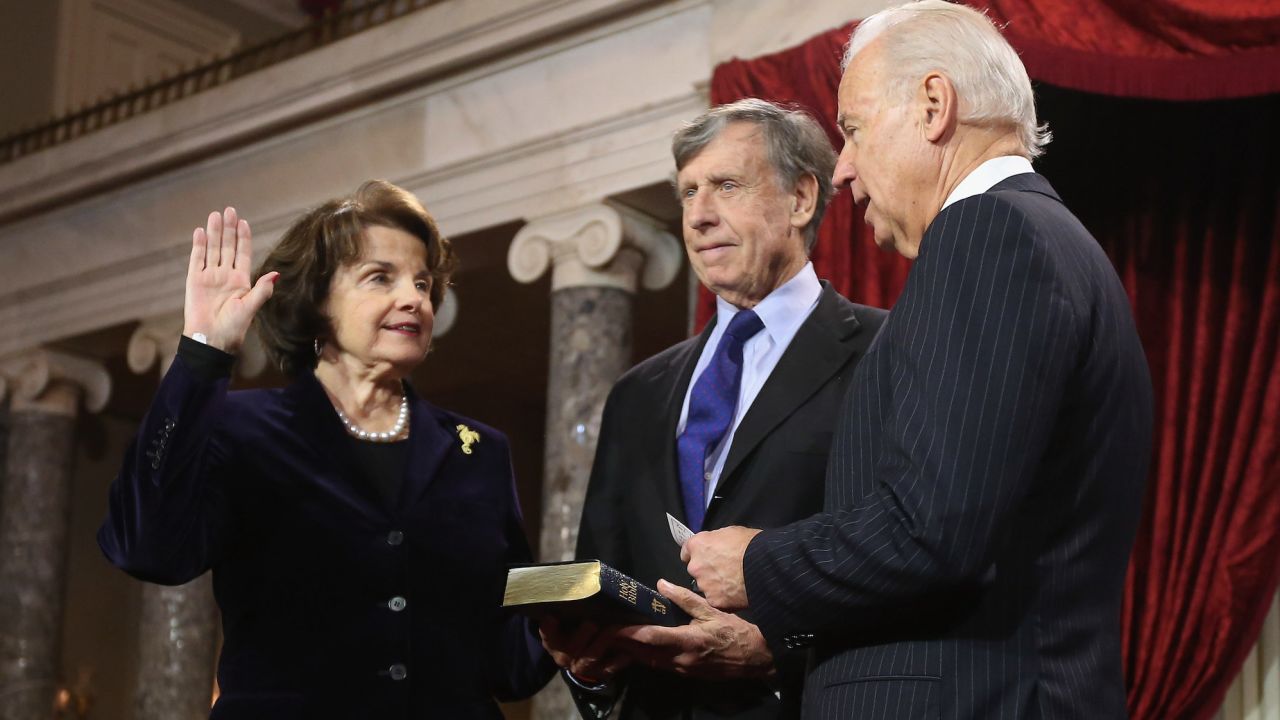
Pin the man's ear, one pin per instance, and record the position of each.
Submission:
(941, 107)
(804, 201)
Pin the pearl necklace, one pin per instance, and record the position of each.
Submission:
(399, 431)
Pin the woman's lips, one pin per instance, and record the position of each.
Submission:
(405, 328)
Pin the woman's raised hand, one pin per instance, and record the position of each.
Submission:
(220, 301)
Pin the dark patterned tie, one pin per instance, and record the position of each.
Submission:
(711, 406)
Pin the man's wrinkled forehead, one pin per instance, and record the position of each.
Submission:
(860, 87)
(749, 134)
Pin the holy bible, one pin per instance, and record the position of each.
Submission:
(588, 589)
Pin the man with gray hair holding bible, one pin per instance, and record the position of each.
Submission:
(987, 469)
(729, 427)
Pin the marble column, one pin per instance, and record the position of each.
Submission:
(177, 642)
(178, 625)
(47, 389)
(598, 255)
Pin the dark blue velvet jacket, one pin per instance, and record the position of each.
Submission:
(332, 605)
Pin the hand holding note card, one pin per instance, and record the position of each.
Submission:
(679, 531)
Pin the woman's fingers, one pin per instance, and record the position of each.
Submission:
(213, 231)
(199, 246)
(225, 241)
(244, 246)
(597, 661)
(227, 248)
(222, 229)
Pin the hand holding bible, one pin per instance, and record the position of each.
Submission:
(714, 645)
(585, 649)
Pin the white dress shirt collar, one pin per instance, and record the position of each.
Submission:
(988, 175)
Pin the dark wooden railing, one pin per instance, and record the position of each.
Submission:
(350, 18)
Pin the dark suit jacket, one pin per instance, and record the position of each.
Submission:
(257, 486)
(772, 475)
(984, 485)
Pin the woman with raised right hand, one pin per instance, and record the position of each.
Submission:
(358, 535)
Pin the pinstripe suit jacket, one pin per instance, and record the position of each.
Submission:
(984, 485)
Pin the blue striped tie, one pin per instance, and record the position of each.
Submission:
(711, 406)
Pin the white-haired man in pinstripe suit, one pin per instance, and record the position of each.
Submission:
(987, 469)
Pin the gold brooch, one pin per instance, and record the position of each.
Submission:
(468, 437)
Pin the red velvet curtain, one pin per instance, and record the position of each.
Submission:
(1167, 49)
(1184, 198)
(1190, 215)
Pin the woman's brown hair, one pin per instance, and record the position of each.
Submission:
(317, 245)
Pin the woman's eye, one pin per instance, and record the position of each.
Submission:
(423, 285)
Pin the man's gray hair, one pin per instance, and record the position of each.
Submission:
(963, 44)
(796, 146)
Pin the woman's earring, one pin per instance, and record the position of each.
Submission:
(317, 345)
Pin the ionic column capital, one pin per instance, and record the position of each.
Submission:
(52, 381)
(155, 342)
(596, 245)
